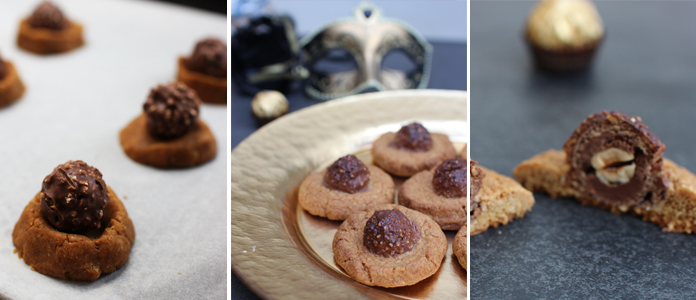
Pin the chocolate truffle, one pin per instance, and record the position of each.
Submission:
(268, 106)
(47, 15)
(449, 179)
(171, 110)
(73, 197)
(347, 174)
(209, 57)
(390, 232)
(414, 137)
(616, 160)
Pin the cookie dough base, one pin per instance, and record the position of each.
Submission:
(459, 246)
(546, 172)
(194, 148)
(11, 87)
(418, 193)
(406, 163)
(49, 41)
(74, 256)
(501, 200)
(320, 200)
(210, 89)
(403, 269)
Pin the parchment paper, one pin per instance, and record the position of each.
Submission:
(74, 107)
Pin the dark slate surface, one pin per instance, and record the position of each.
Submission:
(646, 67)
(448, 72)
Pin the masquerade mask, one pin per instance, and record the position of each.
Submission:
(346, 57)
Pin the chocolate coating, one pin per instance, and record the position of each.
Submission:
(390, 232)
(171, 110)
(347, 174)
(47, 15)
(414, 137)
(606, 130)
(73, 197)
(209, 57)
(476, 176)
(449, 179)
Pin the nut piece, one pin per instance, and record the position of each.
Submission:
(209, 57)
(47, 15)
(414, 137)
(449, 179)
(73, 197)
(347, 174)
(614, 166)
(171, 110)
(268, 106)
(390, 232)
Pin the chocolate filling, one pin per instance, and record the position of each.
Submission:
(47, 15)
(209, 57)
(631, 173)
(476, 179)
(390, 232)
(73, 197)
(171, 110)
(413, 137)
(347, 174)
(449, 179)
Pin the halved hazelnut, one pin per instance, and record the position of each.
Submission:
(614, 166)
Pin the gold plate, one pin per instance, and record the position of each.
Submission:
(280, 251)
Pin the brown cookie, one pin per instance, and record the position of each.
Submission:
(547, 172)
(418, 193)
(459, 246)
(74, 256)
(500, 200)
(405, 162)
(197, 146)
(11, 86)
(404, 269)
(49, 41)
(209, 88)
(320, 200)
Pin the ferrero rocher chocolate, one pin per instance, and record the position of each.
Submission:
(347, 174)
(414, 137)
(209, 57)
(171, 110)
(390, 232)
(47, 15)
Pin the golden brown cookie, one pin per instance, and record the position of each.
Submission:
(194, 148)
(48, 31)
(210, 89)
(500, 200)
(74, 256)
(320, 200)
(418, 193)
(403, 269)
(11, 86)
(459, 246)
(406, 163)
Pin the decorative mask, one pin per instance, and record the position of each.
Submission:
(363, 42)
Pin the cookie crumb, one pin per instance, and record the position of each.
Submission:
(14, 251)
(179, 273)
(500, 232)
(125, 197)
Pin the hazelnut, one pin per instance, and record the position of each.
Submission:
(614, 166)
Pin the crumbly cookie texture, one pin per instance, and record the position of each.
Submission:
(546, 172)
(320, 200)
(403, 269)
(418, 193)
(459, 246)
(501, 199)
(11, 86)
(406, 163)
(564, 24)
(74, 256)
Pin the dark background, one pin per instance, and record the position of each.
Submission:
(217, 6)
(646, 66)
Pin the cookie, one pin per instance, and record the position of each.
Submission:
(612, 161)
(420, 192)
(459, 246)
(399, 267)
(47, 31)
(500, 200)
(211, 89)
(11, 86)
(74, 256)
(320, 199)
(410, 151)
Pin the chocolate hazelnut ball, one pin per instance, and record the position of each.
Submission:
(209, 57)
(390, 232)
(73, 197)
(47, 15)
(172, 110)
(347, 174)
(449, 179)
(414, 137)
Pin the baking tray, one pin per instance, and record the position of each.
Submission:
(280, 251)
(74, 107)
